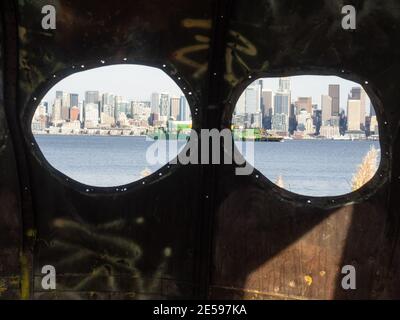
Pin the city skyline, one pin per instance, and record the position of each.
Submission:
(134, 82)
(138, 82)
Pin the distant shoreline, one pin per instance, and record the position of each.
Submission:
(150, 138)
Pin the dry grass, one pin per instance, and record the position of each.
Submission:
(366, 169)
(144, 173)
(279, 182)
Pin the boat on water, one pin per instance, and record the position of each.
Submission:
(256, 135)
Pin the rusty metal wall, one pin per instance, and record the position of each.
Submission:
(196, 231)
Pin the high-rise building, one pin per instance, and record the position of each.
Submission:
(282, 103)
(164, 105)
(267, 102)
(74, 99)
(305, 122)
(174, 107)
(184, 110)
(334, 93)
(92, 97)
(59, 94)
(74, 113)
(56, 114)
(280, 122)
(303, 103)
(91, 115)
(353, 115)
(155, 102)
(253, 98)
(358, 93)
(326, 107)
(284, 84)
(65, 106)
(373, 127)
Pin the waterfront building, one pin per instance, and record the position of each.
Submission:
(280, 122)
(91, 115)
(329, 132)
(305, 122)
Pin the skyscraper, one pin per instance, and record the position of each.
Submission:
(253, 98)
(284, 84)
(174, 106)
(91, 115)
(92, 97)
(334, 93)
(184, 110)
(267, 105)
(65, 106)
(353, 115)
(56, 114)
(326, 106)
(59, 94)
(164, 105)
(74, 99)
(358, 93)
(304, 103)
(281, 103)
(155, 103)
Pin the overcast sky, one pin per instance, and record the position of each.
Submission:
(138, 82)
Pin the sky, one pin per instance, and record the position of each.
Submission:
(139, 82)
(129, 81)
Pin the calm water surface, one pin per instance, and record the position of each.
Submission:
(313, 167)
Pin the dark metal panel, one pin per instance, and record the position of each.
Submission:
(142, 242)
(270, 243)
(10, 215)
